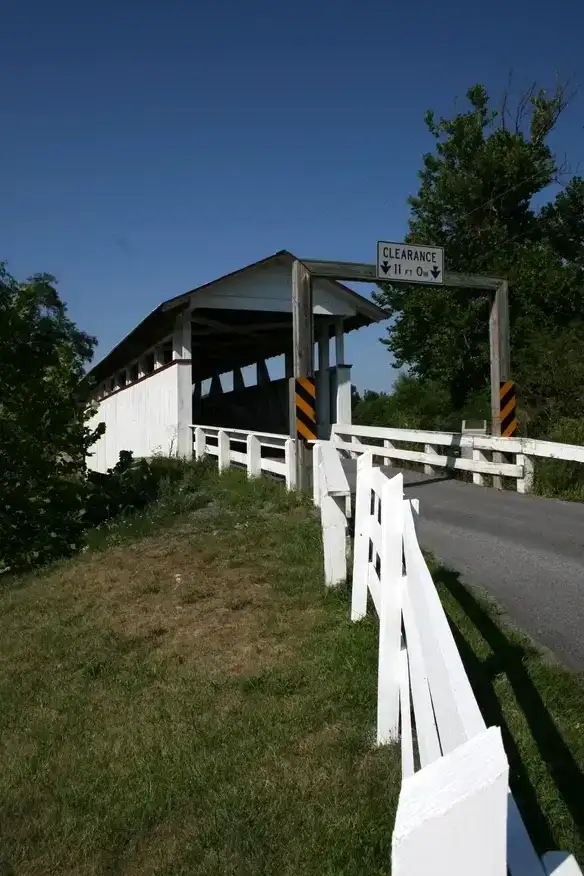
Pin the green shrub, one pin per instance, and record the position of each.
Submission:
(129, 486)
(557, 478)
(43, 424)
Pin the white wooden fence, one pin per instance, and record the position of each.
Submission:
(456, 815)
(256, 451)
(332, 494)
(488, 452)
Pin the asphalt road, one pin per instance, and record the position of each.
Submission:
(524, 551)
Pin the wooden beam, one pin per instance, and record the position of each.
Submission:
(363, 272)
(238, 329)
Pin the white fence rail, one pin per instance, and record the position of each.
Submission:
(434, 455)
(332, 494)
(456, 815)
(256, 451)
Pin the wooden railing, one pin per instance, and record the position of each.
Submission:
(444, 451)
(257, 452)
(456, 814)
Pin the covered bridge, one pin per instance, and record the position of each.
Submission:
(149, 388)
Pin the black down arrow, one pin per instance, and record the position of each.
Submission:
(435, 272)
(385, 267)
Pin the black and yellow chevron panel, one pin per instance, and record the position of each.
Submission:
(508, 408)
(305, 402)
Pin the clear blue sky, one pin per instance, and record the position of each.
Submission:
(149, 147)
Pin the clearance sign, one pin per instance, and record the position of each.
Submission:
(410, 263)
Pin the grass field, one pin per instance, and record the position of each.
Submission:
(185, 698)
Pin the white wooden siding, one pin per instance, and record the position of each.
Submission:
(142, 418)
(269, 288)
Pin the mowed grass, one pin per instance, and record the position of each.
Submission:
(186, 698)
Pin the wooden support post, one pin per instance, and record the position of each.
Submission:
(339, 343)
(262, 373)
(216, 388)
(197, 399)
(323, 390)
(182, 352)
(494, 349)
(303, 354)
(158, 357)
(181, 337)
(343, 394)
(238, 381)
(499, 345)
(502, 294)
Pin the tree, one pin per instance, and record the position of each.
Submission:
(413, 404)
(476, 199)
(44, 435)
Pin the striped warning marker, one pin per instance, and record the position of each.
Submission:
(508, 408)
(305, 402)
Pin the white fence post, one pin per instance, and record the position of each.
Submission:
(200, 443)
(355, 440)
(389, 666)
(525, 484)
(477, 477)
(254, 456)
(223, 450)
(290, 460)
(317, 486)
(428, 469)
(452, 816)
(334, 540)
(361, 540)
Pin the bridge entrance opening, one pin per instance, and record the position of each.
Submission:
(306, 272)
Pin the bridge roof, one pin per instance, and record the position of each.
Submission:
(240, 317)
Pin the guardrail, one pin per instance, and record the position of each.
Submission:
(257, 452)
(523, 450)
(455, 814)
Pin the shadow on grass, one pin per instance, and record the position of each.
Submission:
(510, 653)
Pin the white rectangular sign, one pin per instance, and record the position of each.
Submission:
(410, 263)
